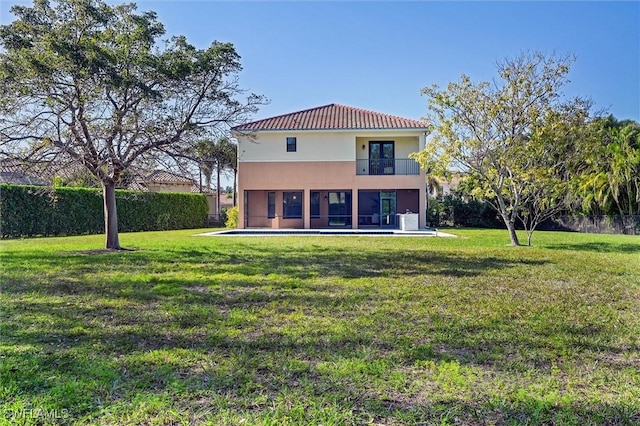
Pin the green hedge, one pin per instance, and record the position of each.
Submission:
(452, 210)
(36, 210)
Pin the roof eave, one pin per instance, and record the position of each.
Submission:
(340, 129)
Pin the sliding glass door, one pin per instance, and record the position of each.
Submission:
(377, 208)
(388, 209)
(339, 208)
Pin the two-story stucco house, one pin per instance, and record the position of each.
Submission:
(332, 166)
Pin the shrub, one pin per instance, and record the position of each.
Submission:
(32, 210)
(157, 211)
(453, 210)
(232, 218)
(224, 216)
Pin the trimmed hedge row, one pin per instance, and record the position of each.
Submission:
(35, 210)
(451, 210)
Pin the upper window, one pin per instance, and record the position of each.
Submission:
(291, 144)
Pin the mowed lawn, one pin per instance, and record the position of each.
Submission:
(321, 330)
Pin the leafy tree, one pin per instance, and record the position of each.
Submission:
(90, 83)
(553, 151)
(610, 177)
(505, 136)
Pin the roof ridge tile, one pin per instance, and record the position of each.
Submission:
(332, 116)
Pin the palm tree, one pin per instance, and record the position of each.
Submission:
(204, 154)
(433, 186)
(218, 155)
(233, 167)
(613, 179)
(625, 168)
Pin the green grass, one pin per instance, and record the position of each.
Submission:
(321, 330)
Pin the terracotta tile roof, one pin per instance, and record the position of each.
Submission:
(332, 117)
(163, 176)
(18, 172)
(19, 178)
(40, 173)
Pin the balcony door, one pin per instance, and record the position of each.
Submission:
(381, 158)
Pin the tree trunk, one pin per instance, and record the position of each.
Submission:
(218, 191)
(511, 226)
(508, 217)
(235, 187)
(207, 183)
(110, 216)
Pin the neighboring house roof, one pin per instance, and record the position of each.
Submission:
(18, 172)
(162, 176)
(19, 178)
(332, 117)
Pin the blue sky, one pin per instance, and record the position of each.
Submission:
(378, 55)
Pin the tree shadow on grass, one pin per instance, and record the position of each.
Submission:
(270, 368)
(600, 247)
(245, 283)
(208, 310)
(290, 262)
(104, 333)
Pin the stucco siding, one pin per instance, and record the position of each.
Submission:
(317, 175)
(326, 146)
(284, 175)
(310, 146)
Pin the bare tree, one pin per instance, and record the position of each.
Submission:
(90, 83)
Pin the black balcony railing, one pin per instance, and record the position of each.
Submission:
(387, 166)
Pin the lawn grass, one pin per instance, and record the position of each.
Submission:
(321, 330)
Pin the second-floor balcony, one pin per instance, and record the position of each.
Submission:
(387, 166)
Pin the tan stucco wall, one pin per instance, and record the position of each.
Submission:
(326, 146)
(317, 175)
(285, 175)
(309, 147)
